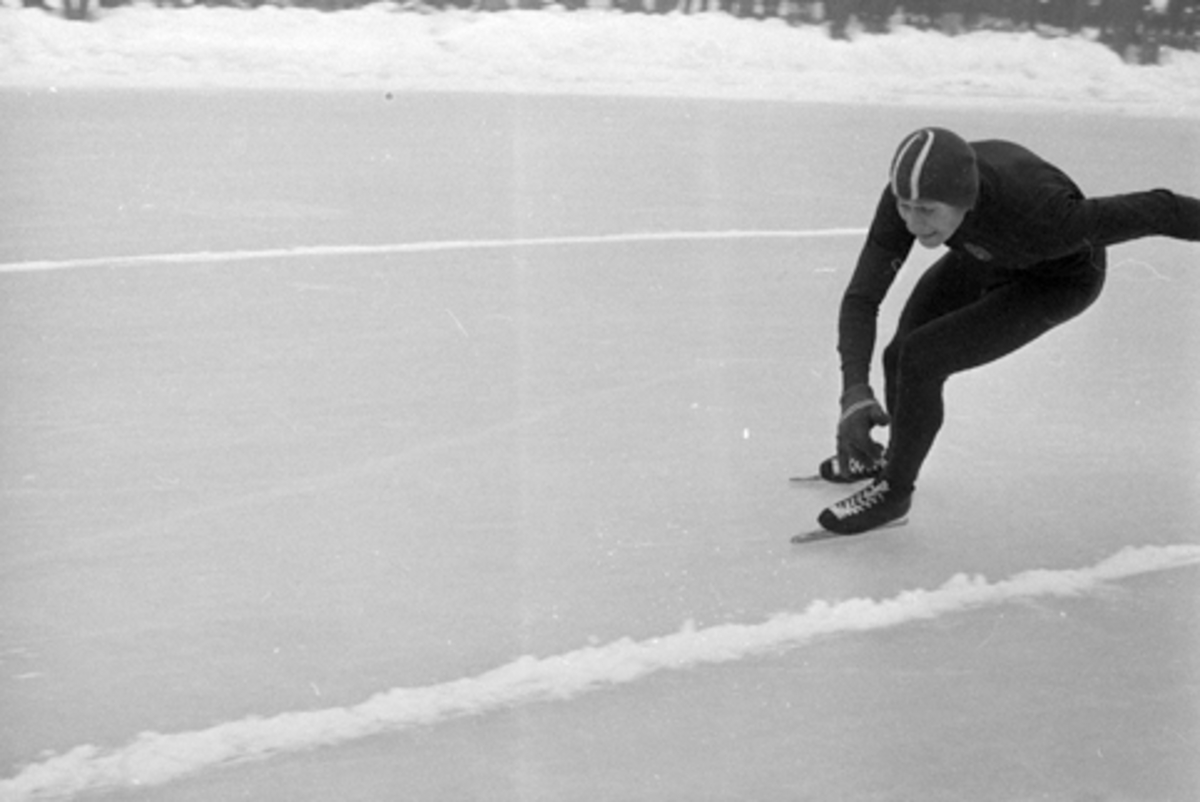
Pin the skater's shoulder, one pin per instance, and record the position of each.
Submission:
(1001, 155)
(1013, 176)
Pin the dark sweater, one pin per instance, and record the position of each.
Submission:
(1030, 216)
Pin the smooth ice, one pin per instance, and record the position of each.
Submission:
(257, 481)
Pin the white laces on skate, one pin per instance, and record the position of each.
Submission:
(857, 467)
(861, 501)
(860, 468)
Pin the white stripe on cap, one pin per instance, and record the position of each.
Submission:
(914, 176)
(919, 166)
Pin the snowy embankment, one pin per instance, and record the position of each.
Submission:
(382, 48)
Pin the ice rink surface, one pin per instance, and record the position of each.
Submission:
(537, 386)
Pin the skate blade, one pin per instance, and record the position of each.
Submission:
(816, 478)
(817, 535)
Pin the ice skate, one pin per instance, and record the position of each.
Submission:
(876, 505)
(831, 470)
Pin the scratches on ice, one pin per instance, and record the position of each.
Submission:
(156, 758)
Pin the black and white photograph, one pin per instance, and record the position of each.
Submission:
(599, 401)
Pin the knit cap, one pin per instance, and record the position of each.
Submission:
(937, 165)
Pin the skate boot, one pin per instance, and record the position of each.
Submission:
(831, 471)
(876, 505)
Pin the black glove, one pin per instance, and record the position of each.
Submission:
(860, 413)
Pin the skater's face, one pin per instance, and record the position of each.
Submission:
(931, 222)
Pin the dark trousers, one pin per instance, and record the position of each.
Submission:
(962, 314)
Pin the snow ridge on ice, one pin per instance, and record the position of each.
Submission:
(156, 758)
(205, 257)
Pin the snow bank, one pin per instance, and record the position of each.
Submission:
(381, 48)
(154, 758)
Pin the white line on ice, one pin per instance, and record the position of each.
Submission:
(200, 257)
(155, 758)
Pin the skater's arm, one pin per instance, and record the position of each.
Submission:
(887, 246)
(859, 311)
(1120, 218)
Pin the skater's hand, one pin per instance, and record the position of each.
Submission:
(860, 414)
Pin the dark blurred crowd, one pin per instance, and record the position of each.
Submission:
(1136, 29)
